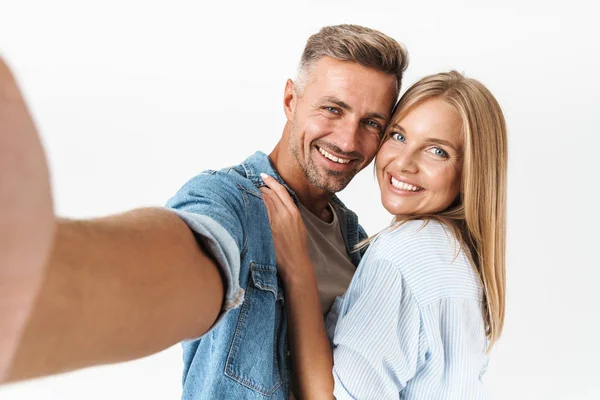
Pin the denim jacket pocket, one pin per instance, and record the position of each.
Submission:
(257, 355)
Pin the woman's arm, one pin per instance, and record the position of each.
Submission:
(312, 358)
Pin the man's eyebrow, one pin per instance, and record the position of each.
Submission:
(376, 116)
(338, 102)
(347, 107)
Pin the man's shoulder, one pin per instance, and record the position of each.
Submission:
(224, 182)
(212, 183)
(230, 176)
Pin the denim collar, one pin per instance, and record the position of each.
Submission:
(351, 230)
(259, 163)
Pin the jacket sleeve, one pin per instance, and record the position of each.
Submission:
(212, 206)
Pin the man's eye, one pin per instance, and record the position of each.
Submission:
(374, 124)
(332, 110)
(398, 136)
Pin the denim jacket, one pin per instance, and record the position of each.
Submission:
(244, 355)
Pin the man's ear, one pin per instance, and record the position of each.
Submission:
(290, 99)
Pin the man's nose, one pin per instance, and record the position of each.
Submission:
(348, 139)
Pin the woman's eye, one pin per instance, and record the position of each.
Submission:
(398, 136)
(439, 152)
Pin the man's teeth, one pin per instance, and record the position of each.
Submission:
(332, 157)
(404, 186)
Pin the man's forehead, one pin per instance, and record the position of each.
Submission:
(334, 70)
(357, 86)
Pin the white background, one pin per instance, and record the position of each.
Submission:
(133, 98)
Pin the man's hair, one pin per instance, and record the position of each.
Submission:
(365, 46)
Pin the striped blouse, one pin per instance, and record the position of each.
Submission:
(411, 325)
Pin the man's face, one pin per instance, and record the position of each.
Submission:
(337, 122)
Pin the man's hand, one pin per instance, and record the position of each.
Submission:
(26, 215)
(74, 293)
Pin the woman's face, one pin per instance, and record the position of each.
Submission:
(419, 166)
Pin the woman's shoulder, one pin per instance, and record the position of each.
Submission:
(431, 260)
(415, 236)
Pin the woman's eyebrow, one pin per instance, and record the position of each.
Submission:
(441, 141)
(394, 125)
(398, 127)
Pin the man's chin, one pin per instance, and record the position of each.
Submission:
(329, 184)
(327, 180)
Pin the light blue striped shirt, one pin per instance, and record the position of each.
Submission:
(411, 325)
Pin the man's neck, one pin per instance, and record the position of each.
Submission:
(312, 198)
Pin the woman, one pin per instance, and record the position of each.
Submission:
(427, 301)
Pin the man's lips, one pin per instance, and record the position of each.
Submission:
(334, 157)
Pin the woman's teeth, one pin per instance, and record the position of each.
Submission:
(404, 186)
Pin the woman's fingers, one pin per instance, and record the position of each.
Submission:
(280, 190)
(275, 208)
(268, 193)
(268, 203)
(289, 233)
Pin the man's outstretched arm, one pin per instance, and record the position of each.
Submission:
(116, 289)
(81, 293)
(26, 215)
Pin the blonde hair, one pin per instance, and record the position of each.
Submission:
(365, 46)
(478, 217)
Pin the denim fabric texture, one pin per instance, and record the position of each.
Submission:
(244, 355)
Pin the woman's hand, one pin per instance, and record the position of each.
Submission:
(312, 359)
(289, 233)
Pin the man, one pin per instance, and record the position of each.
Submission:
(129, 285)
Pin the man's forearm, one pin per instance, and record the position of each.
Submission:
(116, 289)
